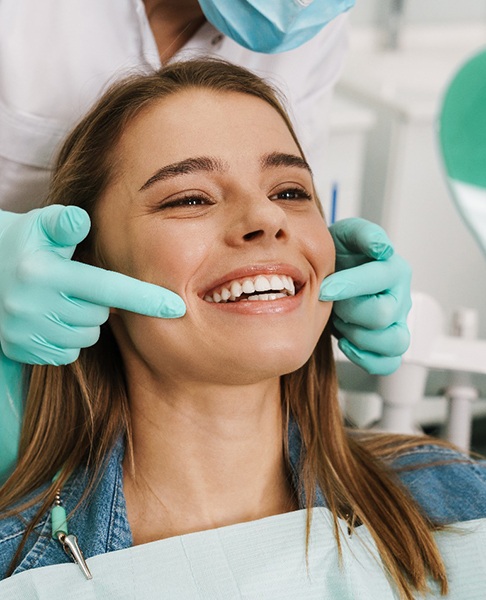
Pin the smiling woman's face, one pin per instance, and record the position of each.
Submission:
(212, 199)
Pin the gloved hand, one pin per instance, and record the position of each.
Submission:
(11, 400)
(371, 291)
(51, 306)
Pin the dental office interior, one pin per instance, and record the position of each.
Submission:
(389, 143)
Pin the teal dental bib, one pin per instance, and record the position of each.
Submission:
(254, 561)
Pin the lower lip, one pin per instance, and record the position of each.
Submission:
(261, 307)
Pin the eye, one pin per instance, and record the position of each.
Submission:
(185, 201)
(291, 193)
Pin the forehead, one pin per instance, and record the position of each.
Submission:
(195, 122)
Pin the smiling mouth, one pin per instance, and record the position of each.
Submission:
(258, 288)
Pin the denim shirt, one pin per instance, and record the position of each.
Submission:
(452, 490)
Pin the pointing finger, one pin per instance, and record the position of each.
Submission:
(108, 288)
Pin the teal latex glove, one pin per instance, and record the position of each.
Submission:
(51, 306)
(371, 291)
(11, 396)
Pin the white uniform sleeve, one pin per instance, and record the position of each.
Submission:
(56, 58)
(22, 187)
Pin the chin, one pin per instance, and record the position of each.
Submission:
(267, 363)
(275, 352)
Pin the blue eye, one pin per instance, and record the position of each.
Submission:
(291, 194)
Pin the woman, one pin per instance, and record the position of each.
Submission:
(195, 180)
(67, 53)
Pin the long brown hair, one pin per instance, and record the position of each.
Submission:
(88, 398)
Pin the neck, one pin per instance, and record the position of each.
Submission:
(204, 457)
(173, 23)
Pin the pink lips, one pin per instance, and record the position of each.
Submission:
(267, 307)
(253, 271)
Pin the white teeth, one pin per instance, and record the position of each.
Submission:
(236, 289)
(267, 296)
(289, 284)
(248, 287)
(276, 283)
(260, 283)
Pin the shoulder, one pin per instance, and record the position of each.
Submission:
(448, 485)
(38, 549)
(12, 530)
(98, 519)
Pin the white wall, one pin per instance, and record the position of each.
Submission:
(468, 288)
(369, 12)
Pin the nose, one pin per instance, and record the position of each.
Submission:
(257, 219)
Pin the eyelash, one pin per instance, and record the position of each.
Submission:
(186, 201)
(195, 200)
(299, 194)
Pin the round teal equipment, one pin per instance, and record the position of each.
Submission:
(462, 139)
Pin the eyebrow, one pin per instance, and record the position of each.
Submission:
(209, 163)
(184, 167)
(280, 159)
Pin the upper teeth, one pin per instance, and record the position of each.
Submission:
(233, 290)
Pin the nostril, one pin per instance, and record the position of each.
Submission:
(253, 235)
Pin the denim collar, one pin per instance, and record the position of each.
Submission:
(101, 521)
(448, 486)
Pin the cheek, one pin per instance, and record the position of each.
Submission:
(160, 252)
(320, 248)
(114, 238)
(170, 254)
(167, 253)
(322, 256)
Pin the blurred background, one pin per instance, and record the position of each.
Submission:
(386, 166)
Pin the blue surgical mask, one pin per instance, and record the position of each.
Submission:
(272, 25)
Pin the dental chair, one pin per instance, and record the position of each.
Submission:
(461, 135)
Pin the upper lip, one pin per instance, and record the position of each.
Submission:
(253, 271)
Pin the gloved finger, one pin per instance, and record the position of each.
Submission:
(375, 364)
(66, 338)
(371, 278)
(64, 225)
(78, 313)
(49, 334)
(49, 356)
(371, 312)
(59, 311)
(116, 290)
(359, 236)
(392, 341)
